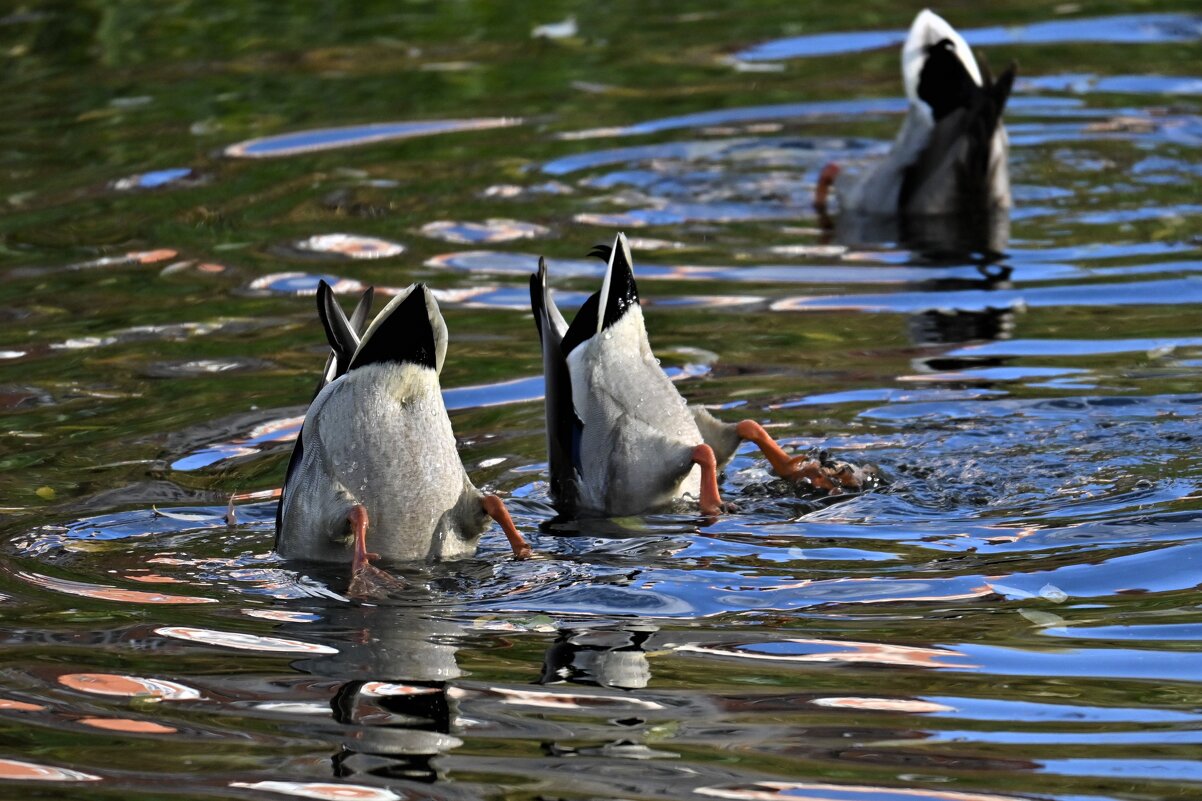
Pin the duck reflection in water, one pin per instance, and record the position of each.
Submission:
(398, 701)
(601, 657)
(945, 241)
(977, 237)
(979, 240)
(943, 190)
(393, 707)
(952, 326)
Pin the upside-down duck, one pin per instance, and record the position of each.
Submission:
(375, 473)
(620, 439)
(950, 157)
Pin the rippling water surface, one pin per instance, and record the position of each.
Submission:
(1015, 615)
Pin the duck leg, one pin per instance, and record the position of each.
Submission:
(356, 518)
(826, 179)
(494, 507)
(798, 468)
(367, 580)
(711, 499)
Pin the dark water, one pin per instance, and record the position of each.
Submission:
(1016, 615)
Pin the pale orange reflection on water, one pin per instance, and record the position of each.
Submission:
(883, 704)
(30, 771)
(839, 651)
(322, 790)
(128, 725)
(243, 641)
(128, 686)
(105, 593)
(800, 791)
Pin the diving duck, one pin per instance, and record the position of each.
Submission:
(620, 438)
(951, 154)
(374, 472)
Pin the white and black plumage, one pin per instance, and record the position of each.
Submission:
(620, 438)
(375, 471)
(952, 152)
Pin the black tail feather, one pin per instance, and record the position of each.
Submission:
(601, 252)
(362, 311)
(405, 335)
(944, 83)
(342, 335)
(623, 291)
(538, 284)
(584, 325)
(339, 331)
(562, 424)
(957, 161)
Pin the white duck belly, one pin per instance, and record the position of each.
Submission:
(638, 432)
(381, 438)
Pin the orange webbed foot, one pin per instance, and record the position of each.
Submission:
(833, 478)
(371, 583)
(368, 582)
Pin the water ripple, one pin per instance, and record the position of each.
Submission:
(292, 144)
(1187, 290)
(1119, 29)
